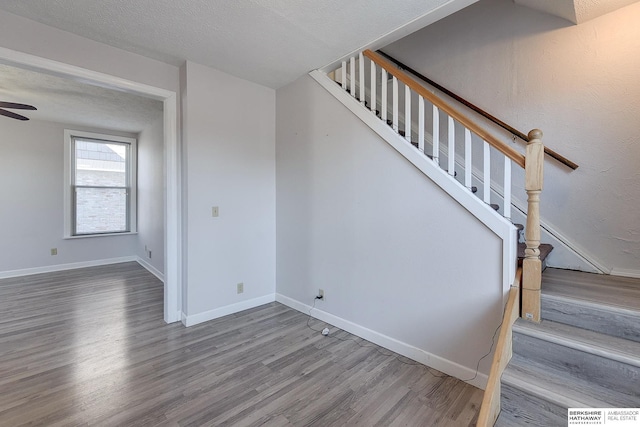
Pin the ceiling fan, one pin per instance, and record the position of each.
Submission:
(14, 106)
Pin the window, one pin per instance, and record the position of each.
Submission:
(100, 184)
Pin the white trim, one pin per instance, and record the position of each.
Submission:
(173, 228)
(412, 26)
(205, 316)
(436, 362)
(150, 268)
(172, 213)
(37, 63)
(624, 272)
(61, 267)
(499, 225)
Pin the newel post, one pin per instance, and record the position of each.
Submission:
(532, 266)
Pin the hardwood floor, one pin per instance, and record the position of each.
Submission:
(89, 347)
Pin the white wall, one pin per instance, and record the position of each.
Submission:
(151, 182)
(31, 211)
(21, 34)
(398, 258)
(229, 148)
(578, 84)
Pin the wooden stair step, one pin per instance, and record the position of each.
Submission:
(612, 290)
(601, 303)
(608, 361)
(537, 393)
(545, 250)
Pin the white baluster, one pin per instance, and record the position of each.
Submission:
(384, 83)
(395, 104)
(361, 79)
(374, 84)
(486, 165)
(452, 147)
(507, 187)
(352, 75)
(467, 158)
(343, 75)
(407, 113)
(421, 123)
(436, 135)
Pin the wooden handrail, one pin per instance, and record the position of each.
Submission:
(505, 126)
(508, 151)
(490, 408)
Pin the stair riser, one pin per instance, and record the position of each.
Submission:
(603, 320)
(523, 409)
(612, 374)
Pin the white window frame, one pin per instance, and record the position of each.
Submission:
(69, 170)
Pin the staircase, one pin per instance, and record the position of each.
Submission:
(585, 353)
(585, 350)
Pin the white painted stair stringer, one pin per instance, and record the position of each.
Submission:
(500, 226)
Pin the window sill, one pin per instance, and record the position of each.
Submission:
(87, 236)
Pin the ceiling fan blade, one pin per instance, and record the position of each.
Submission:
(12, 115)
(17, 106)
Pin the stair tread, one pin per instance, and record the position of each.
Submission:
(545, 250)
(620, 349)
(596, 288)
(593, 304)
(561, 388)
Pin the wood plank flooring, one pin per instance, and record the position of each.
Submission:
(89, 347)
(619, 291)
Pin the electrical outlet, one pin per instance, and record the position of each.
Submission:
(54, 251)
(240, 288)
(321, 293)
(214, 211)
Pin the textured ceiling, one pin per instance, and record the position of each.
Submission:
(270, 42)
(576, 11)
(67, 101)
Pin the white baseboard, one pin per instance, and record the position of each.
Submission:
(409, 351)
(194, 319)
(635, 274)
(150, 268)
(61, 267)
